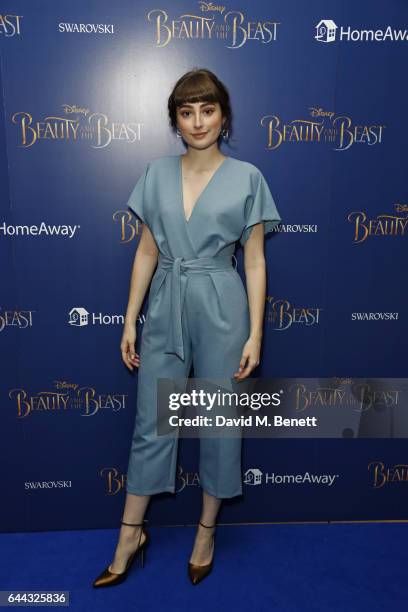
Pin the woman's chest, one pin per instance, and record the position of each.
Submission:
(209, 205)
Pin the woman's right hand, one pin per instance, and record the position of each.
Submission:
(127, 347)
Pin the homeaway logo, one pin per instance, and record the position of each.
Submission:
(79, 317)
(43, 229)
(326, 31)
(254, 476)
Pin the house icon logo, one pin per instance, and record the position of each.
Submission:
(326, 31)
(78, 316)
(253, 476)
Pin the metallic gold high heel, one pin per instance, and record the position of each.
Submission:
(199, 572)
(108, 578)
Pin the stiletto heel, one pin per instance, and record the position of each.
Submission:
(199, 572)
(109, 578)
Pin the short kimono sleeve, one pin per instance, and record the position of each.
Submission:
(136, 199)
(260, 207)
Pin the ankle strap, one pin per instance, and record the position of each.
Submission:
(208, 526)
(133, 524)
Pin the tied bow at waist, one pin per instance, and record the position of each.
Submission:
(177, 265)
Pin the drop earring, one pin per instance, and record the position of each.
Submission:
(178, 133)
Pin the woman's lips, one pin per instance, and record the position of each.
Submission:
(199, 135)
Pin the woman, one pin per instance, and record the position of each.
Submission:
(194, 208)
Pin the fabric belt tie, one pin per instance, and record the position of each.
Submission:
(174, 343)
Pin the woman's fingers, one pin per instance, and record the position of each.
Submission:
(246, 366)
(243, 367)
(129, 356)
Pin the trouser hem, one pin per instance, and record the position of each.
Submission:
(136, 491)
(222, 496)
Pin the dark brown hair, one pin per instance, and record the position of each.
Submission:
(200, 85)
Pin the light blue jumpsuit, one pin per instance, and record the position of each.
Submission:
(197, 309)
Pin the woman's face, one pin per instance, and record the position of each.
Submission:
(200, 123)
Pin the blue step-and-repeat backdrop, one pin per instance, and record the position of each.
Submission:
(319, 96)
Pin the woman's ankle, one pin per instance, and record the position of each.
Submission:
(130, 533)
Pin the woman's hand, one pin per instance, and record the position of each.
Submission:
(127, 347)
(250, 358)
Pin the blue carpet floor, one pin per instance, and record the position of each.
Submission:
(298, 567)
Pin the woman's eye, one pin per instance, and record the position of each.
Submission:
(207, 110)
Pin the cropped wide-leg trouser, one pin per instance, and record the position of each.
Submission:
(215, 327)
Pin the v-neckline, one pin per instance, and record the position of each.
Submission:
(180, 169)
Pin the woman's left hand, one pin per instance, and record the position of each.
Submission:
(250, 358)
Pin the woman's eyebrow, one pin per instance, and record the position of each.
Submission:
(191, 105)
